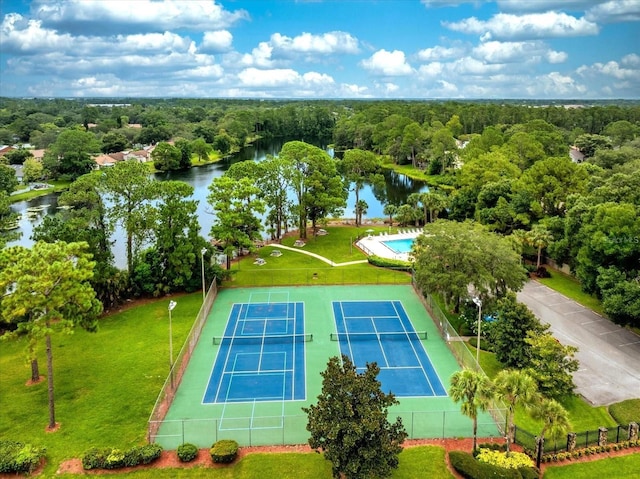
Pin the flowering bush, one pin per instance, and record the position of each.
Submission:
(515, 460)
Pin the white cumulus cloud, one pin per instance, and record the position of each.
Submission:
(306, 43)
(218, 41)
(387, 63)
(530, 26)
(615, 11)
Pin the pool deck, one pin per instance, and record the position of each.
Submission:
(374, 245)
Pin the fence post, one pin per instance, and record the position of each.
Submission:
(602, 436)
(539, 450)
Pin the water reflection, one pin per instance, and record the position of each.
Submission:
(395, 190)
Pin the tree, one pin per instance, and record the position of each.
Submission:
(350, 424)
(32, 170)
(510, 330)
(539, 237)
(201, 148)
(8, 180)
(7, 220)
(129, 188)
(236, 204)
(70, 155)
(185, 149)
(18, 156)
(588, 144)
(555, 421)
(166, 157)
(319, 188)
(551, 181)
(451, 258)
(515, 388)
(475, 391)
(49, 286)
(113, 142)
(359, 166)
(551, 364)
(390, 210)
(176, 232)
(274, 173)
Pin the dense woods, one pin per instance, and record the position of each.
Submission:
(557, 180)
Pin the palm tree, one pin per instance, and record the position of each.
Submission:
(539, 237)
(555, 420)
(390, 210)
(515, 387)
(360, 211)
(475, 390)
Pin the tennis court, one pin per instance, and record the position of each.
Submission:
(261, 355)
(261, 351)
(381, 331)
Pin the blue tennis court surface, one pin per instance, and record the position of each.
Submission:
(381, 332)
(261, 355)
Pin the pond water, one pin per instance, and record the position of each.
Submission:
(395, 190)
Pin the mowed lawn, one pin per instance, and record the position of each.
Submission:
(106, 384)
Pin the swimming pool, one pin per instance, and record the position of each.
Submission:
(399, 246)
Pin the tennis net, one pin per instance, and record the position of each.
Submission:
(402, 336)
(270, 339)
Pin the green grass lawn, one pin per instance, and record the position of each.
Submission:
(626, 411)
(295, 267)
(105, 383)
(415, 463)
(570, 287)
(623, 467)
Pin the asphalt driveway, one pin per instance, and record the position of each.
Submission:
(609, 355)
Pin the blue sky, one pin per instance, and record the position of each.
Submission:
(444, 49)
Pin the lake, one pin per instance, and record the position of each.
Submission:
(396, 190)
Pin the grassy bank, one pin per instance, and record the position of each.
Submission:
(570, 287)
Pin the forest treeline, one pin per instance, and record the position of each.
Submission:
(563, 180)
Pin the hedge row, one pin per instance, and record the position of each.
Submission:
(470, 468)
(16, 457)
(390, 263)
(110, 458)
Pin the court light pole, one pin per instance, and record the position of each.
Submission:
(202, 252)
(172, 304)
(478, 302)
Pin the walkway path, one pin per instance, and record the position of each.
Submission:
(609, 355)
(321, 258)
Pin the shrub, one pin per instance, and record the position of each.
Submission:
(110, 458)
(115, 459)
(187, 452)
(470, 468)
(224, 451)
(95, 458)
(16, 457)
(389, 263)
(515, 460)
(465, 464)
(150, 452)
(542, 272)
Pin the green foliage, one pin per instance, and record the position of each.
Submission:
(508, 333)
(451, 257)
(626, 412)
(514, 460)
(470, 468)
(114, 458)
(350, 425)
(19, 458)
(224, 451)
(187, 452)
(475, 391)
(389, 263)
(551, 364)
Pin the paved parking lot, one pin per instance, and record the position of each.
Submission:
(609, 355)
